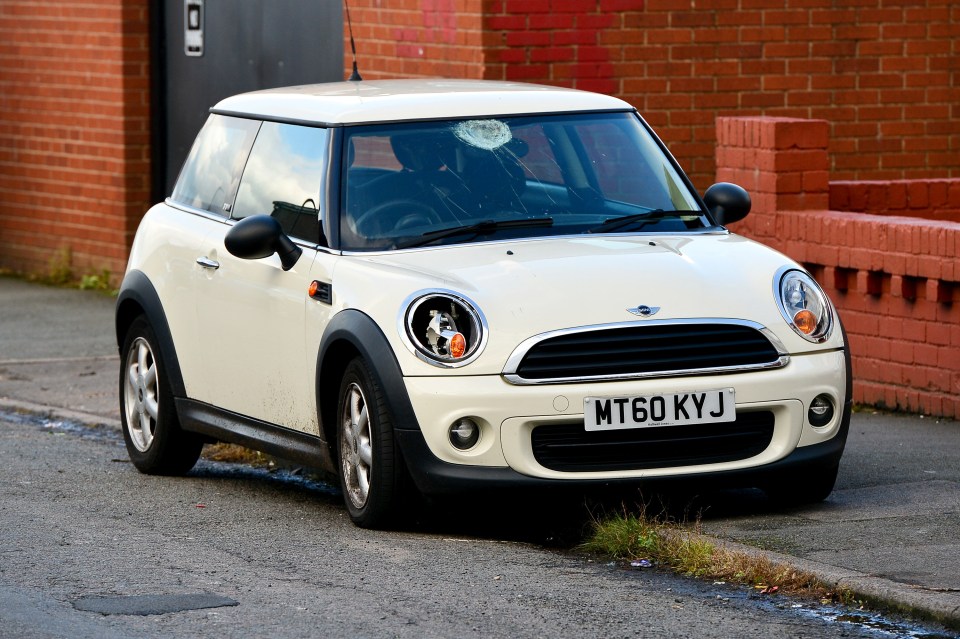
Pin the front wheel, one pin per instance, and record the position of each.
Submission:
(151, 429)
(371, 471)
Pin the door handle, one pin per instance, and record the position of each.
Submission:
(206, 262)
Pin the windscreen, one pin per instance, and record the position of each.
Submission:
(430, 183)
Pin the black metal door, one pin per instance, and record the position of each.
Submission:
(206, 50)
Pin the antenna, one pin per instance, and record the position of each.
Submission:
(355, 76)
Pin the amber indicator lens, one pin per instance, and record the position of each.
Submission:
(314, 286)
(806, 321)
(458, 345)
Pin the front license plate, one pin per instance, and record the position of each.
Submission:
(695, 407)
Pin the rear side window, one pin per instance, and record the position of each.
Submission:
(283, 178)
(212, 171)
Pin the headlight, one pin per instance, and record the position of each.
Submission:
(803, 305)
(443, 328)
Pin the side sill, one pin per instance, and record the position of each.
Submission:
(292, 445)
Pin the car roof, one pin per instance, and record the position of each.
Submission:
(370, 101)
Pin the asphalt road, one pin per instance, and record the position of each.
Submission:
(81, 529)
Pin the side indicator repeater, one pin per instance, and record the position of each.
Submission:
(321, 291)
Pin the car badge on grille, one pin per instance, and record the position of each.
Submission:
(644, 311)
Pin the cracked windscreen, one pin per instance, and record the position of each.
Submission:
(435, 183)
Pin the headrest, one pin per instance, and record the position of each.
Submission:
(417, 151)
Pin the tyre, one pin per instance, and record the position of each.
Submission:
(372, 474)
(151, 429)
(802, 487)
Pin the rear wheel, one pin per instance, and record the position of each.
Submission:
(371, 471)
(151, 429)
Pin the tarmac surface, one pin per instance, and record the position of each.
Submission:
(889, 532)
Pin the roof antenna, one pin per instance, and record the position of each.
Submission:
(355, 76)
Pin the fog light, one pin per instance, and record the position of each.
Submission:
(821, 410)
(464, 434)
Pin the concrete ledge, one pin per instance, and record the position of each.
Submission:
(915, 601)
(56, 412)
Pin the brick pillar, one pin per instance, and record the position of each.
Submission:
(782, 162)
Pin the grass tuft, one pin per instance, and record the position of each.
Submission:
(682, 548)
(234, 454)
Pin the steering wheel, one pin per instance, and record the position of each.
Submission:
(395, 214)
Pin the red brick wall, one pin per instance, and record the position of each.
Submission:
(930, 199)
(562, 42)
(885, 74)
(416, 38)
(74, 132)
(894, 280)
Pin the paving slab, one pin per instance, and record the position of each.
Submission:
(891, 528)
(57, 348)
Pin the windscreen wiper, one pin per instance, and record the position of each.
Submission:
(478, 228)
(638, 219)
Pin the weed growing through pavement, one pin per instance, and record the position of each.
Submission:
(59, 269)
(60, 274)
(682, 547)
(96, 282)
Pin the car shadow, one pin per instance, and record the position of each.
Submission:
(565, 519)
(561, 519)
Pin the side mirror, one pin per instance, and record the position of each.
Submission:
(728, 202)
(259, 236)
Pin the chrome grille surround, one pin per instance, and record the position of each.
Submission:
(778, 359)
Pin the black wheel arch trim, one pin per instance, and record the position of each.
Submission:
(848, 400)
(362, 334)
(137, 291)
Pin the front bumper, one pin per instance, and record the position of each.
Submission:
(508, 414)
(435, 477)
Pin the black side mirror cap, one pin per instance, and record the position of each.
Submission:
(259, 236)
(728, 202)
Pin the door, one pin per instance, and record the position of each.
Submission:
(253, 313)
(206, 50)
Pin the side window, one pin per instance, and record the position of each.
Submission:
(210, 175)
(283, 178)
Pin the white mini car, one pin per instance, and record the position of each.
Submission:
(454, 285)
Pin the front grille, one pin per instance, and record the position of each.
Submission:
(646, 350)
(570, 448)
